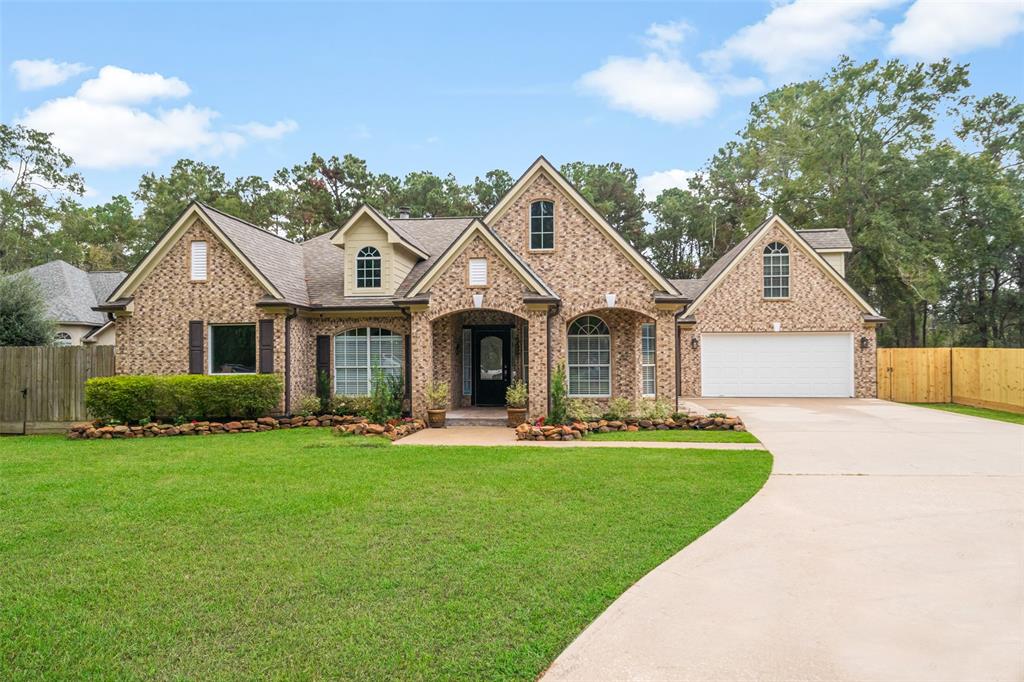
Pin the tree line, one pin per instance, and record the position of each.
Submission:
(936, 220)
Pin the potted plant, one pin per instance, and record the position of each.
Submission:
(515, 400)
(437, 404)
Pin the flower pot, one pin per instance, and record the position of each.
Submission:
(516, 416)
(436, 418)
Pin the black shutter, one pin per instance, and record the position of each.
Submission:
(195, 347)
(323, 364)
(266, 346)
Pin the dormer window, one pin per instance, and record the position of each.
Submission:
(368, 268)
(542, 225)
(776, 271)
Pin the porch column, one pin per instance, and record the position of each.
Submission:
(538, 354)
(665, 354)
(422, 340)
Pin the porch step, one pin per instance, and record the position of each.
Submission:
(455, 422)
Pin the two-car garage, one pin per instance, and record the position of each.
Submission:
(813, 365)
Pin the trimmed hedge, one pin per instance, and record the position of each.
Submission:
(185, 396)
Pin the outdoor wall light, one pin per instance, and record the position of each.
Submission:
(478, 300)
(864, 343)
(694, 343)
(777, 326)
(610, 300)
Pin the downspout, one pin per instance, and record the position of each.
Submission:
(288, 360)
(675, 360)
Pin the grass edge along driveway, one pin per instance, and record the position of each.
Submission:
(300, 554)
(676, 436)
(983, 412)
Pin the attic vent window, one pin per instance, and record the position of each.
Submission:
(477, 272)
(198, 261)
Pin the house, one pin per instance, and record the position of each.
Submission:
(71, 298)
(479, 301)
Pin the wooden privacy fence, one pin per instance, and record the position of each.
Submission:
(42, 389)
(984, 377)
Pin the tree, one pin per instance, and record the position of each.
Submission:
(612, 189)
(36, 178)
(486, 192)
(23, 319)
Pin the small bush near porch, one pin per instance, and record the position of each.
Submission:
(299, 554)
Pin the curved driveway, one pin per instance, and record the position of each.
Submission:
(888, 544)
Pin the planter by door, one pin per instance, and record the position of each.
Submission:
(491, 365)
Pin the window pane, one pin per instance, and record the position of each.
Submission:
(233, 349)
(491, 351)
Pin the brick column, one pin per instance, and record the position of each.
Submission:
(422, 341)
(538, 354)
(664, 350)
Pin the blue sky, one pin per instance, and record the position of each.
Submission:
(131, 87)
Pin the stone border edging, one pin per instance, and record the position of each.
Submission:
(354, 425)
(578, 429)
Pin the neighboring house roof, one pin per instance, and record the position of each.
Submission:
(71, 293)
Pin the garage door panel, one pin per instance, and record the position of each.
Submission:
(777, 365)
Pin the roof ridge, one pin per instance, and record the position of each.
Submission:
(821, 229)
(245, 222)
(441, 217)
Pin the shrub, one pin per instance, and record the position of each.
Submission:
(386, 397)
(583, 410)
(620, 408)
(23, 317)
(350, 405)
(308, 406)
(323, 390)
(437, 395)
(186, 396)
(558, 414)
(517, 394)
(650, 408)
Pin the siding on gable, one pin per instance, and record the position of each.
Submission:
(396, 262)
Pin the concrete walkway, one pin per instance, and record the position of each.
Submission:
(490, 436)
(888, 544)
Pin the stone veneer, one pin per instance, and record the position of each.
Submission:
(816, 304)
(154, 338)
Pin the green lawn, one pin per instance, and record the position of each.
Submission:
(300, 554)
(677, 436)
(998, 415)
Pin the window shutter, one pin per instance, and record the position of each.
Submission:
(195, 347)
(478, 271)
(323, 361)
(266, 346)
(199, 261)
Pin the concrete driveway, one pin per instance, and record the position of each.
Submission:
(888, 544)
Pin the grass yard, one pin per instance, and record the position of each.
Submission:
(677, 436)
(998, 415)
(301, 554)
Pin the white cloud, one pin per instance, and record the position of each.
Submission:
(932, 29)
(34, 74)
(117, 85)
(663, 88)
(796, 37)
(656, 183)
(103, 125)
(262, 131)
(734, 85)
(666, 37)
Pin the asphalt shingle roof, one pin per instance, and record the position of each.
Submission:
(71, 293)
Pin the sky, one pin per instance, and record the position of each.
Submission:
(129, 88)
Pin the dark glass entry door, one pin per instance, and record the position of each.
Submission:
(491, 365)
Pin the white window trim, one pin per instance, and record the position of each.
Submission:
(62, 339)
(192, 261)
(209, 348)
(654, 359)
(609, 365)
(369, 356)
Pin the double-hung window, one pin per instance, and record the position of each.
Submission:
(589, 358)
(358, 351)
(647, 355)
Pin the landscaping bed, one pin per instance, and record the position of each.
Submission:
(578, 429)
(359, 426)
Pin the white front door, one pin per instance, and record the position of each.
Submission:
(777, 365)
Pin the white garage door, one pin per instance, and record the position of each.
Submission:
(777, 365)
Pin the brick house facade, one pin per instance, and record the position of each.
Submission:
(479, 302)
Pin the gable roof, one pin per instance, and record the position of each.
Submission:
(828, 239)
(71, 293)
(542, 165)
(396, 235)
(715, 273)
(477, 228)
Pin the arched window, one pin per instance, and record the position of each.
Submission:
(589, 358)
(776, 271)
(368, 268)
(358, 351)
(62, 339)
(542, 225)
